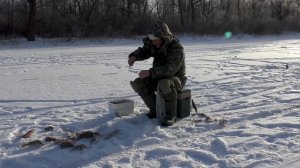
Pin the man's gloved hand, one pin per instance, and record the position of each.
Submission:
(145, 74)
(131, 60)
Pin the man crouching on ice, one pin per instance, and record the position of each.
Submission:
(167, 73)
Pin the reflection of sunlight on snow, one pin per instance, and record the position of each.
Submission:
(228, 35)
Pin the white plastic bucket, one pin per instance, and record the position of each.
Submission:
(121, 107)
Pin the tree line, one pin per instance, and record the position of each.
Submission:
(94, 18)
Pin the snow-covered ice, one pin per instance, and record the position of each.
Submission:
(68, 84)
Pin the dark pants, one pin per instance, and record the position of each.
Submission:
(147, 87)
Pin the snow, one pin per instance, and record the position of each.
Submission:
(68, 84)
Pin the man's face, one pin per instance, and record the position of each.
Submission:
(157, 43)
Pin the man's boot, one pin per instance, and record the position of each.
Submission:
(150, 101)
(171, 112)
(149, 98)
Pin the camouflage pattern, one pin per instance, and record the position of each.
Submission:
(169, 59)
(147, 86)
(167, 72)
(161, 30)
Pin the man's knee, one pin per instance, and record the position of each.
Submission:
(168, 89)
(164, 86)
(168, 85)
(142, 87)
(138, 84)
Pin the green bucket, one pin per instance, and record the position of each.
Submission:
(183, 103)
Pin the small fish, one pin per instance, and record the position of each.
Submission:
(49, 128)
(36, 143)
(28, 134)
(197, 121)
(71, 136)
(208, 119)
(223, 122)
(51, 139)
(86, 134)
(80, 147)
(66, 144)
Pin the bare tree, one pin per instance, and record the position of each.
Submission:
(238, 7)
(192, 9)
(31, 20)
(280, 8)
(11, 15)
(89, 18)
(180, 7)
(297, 11)
(207, 7)
(226, 6)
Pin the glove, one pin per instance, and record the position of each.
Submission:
(131, 60)
(145, 74)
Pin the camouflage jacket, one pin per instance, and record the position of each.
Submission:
(169, 59)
